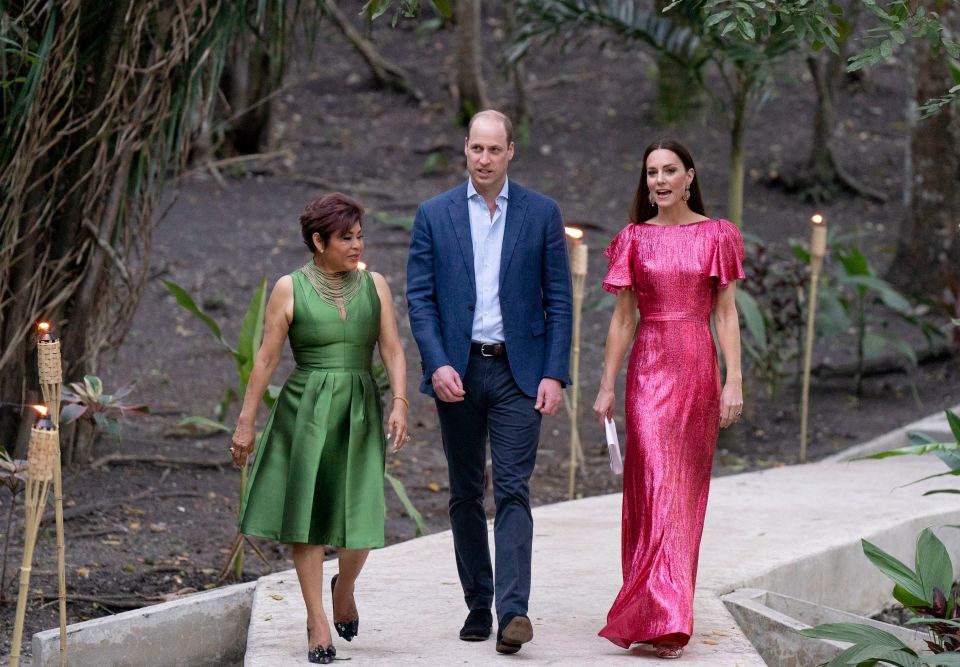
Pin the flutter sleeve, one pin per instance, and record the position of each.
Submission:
(727, 262)
(620, 268)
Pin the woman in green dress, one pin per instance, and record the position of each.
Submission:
(317, 476)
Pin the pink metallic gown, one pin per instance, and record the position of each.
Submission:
(673, 416)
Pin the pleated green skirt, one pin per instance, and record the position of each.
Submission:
(317, 476)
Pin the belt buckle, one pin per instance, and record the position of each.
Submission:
(491, 346)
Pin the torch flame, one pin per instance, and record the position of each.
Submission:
(817, 219)
(574, 233)
(41, 410)
(43, 327)
(362, 266)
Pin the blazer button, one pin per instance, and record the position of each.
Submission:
(470, 308)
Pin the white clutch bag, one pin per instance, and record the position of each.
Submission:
(613, 447)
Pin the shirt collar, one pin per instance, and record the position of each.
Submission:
(504, 191)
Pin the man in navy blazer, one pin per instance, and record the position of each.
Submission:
(488, 290)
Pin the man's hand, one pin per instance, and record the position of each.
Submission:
(447, 385)
(549, 395)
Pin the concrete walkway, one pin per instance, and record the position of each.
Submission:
(761, 531)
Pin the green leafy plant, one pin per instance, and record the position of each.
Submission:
(13, 477)
(374, 9)
(693, 34)
(408, 506)
(853, 296)
(87, 400)
(382, 380)
(243, 354)
(948, 452)
(770, 312)
(928, 591)
(824, 23)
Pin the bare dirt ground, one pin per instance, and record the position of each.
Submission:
(167, 527)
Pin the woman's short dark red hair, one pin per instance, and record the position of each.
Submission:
(329, 214)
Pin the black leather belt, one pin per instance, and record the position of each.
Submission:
(488, 349)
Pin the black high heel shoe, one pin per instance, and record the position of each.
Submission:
(321, 656)
(346, 629)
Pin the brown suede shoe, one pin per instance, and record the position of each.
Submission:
(514, 631)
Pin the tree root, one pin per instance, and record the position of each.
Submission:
(820, 187)
(155, 458)
(888, 363)
(110, 601)
(385, 72)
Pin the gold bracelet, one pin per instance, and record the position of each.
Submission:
(401, 398)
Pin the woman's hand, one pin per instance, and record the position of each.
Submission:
(397, 427)
(241, 444)
(603, 406)
(731, 403)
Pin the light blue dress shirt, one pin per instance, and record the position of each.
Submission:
(486, 232)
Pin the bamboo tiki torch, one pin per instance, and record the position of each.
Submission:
(818, 247)
(50, 370)
(578, 271)
(42, 457)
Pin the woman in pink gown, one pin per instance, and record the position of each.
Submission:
(675, 267)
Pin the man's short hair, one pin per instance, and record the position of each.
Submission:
(502, 117)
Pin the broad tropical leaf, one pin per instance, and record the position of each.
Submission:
(185, 301)
(854, 633)
(894, 570)
(251, 333)
(949, 473)
(907, 599)
(753, 318)
(934, 567)
(917, 449)
(854, 262)
(954, 422)
(864, 655)
(72, 412)
(875, 343)
(408, 505)
(93, 385)
(891, 298)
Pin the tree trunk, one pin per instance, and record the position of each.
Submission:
(821, 163)
(517, 74)
(927, 259)
(679, 95)
(737, 153)
(255, 71)
(823, 175)
(471, 91)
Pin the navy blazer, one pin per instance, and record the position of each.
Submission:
(535, 293)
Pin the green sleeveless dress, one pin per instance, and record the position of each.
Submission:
(318, 473)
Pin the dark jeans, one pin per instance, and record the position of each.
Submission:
(493, 405)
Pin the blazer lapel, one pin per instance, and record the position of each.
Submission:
(516, 213)
(460, 217)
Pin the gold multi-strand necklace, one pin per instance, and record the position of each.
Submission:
(336, 289)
